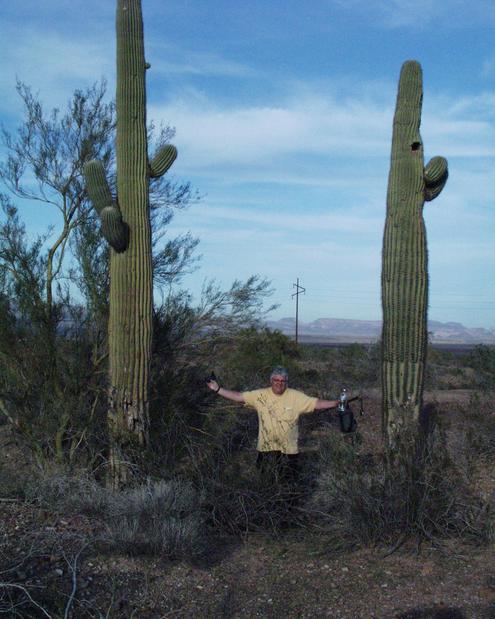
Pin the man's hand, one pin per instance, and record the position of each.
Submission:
(235, 396)
(212, 382)
(213, 385)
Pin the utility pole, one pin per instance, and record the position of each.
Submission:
(299, 290)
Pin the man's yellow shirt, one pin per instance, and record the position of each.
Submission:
(278, 417)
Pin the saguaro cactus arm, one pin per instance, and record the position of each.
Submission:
(162, 161)
(436, 174)
(113, 228)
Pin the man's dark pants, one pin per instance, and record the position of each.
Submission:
(278, 468)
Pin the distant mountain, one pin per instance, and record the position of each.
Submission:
(344, 330)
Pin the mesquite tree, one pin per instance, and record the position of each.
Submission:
(125, 223)
(404, 266)
(44, 164)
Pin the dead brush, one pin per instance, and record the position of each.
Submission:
(420, 493)
(479, 421)
(235, 497)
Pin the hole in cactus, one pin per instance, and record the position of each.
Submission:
(415, 145)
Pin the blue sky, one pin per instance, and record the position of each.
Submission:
(283, 113)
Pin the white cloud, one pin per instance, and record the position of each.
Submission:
(211, 135)
(185, 62)
(52, 63)
(315, 141)
(331, 222)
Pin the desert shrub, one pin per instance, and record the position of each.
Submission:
(482, 361)
(423, 494)
(449, 370)
(246, 504)
(249, 358)
(159, 518)
(222, 465)
(12, 484)
(52, 387)
(68, 493)
(327, 370)
(479, 417)
(359, 364)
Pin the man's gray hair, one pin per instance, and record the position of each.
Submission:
(278, 370)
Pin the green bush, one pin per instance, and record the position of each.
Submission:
(53, 393)
(355, 366)
(248, 360)
(482, 360)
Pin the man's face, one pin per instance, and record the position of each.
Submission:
(278, 383)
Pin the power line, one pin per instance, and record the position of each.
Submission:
(299, 290)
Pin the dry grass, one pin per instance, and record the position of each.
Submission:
(163, 519)
(424, 495)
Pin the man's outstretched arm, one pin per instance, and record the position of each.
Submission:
(235, 396)
(321, 404)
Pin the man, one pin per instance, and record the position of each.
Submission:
(279, 409)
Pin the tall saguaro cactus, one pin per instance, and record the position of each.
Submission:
(405, 259)
(125, 223)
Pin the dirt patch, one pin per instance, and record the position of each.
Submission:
(260, 577)
(459, 396)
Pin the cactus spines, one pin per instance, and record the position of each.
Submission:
(404, 265)
(126, 225)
